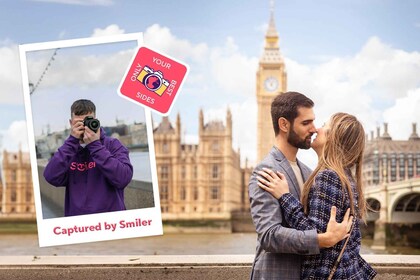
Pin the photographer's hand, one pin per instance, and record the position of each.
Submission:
(77, 129)
(91, 136)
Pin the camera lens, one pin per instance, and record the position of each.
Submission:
(94, 125)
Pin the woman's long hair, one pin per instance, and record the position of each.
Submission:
(343, 150)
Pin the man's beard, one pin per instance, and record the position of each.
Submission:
(297, 142)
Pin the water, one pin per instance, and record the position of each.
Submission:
(167, 244)
(141, 166)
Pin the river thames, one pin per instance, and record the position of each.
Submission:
(167, 244)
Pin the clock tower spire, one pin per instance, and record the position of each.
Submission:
(271, 80)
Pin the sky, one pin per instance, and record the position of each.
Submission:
(91, 72)
(360, 57)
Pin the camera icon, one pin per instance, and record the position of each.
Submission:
(153, 80)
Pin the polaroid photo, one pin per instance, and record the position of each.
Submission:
(92, 152)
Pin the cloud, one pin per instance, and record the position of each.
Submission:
(223, 66)
(244, 128)
(10, 76)
(365, 84)
(262, 28)
(232, 71)
(80, 2)
(108, 68)
(392, 71)
(374, 84)
(112, 29)
(161, 39)
(15, 136)
(92, 69)
(377, 84)
(401, 116)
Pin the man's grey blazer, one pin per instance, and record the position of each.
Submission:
(279, 248)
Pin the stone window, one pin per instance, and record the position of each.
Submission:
(215, 171)
(195, 193)
(215, 146)
(164, 193)
(195, 174)
(401, 162)
(393, 167)
(164, 172)
(165, 147)
(13, 176)
(410, 165)
(183, 172)
(183, 193)
(418, 165)
(214, 193)
(13, 196)
(375, 169)
(28, 196)
(385, 167)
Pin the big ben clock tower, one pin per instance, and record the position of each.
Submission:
(271, 80)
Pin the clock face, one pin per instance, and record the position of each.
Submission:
(271, 84)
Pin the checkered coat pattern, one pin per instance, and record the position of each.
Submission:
(326, 192)
(279, 246)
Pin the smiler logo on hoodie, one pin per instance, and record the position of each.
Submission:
(82, 166)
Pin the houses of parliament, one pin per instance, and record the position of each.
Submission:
(205, 181)
(16, 191)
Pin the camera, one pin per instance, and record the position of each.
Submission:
(153, 80)
(92, 123)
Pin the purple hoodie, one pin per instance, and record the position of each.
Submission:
(94, 176)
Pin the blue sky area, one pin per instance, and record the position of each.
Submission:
(306, 27)
(361, 56)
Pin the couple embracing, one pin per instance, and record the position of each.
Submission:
(308, 222)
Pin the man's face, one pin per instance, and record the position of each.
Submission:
(302, 129)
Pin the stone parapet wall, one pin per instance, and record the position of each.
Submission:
(170, 267)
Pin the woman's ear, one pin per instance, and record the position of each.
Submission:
(284, 125)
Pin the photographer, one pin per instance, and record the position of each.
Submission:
(93, 167)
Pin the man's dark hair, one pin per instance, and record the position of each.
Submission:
(286, 105)
(82, 107)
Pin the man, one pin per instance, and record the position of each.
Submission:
(279, 248)
(94, 168)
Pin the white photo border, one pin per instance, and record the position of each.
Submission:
(129, 223)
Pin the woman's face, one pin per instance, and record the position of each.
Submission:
(321, 137)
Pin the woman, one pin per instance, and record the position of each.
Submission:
(339, 145)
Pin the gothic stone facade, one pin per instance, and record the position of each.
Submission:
(198, 181)
(388, 160)
(16, 194)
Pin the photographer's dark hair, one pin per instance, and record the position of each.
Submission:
(82, 107)
(286, 105)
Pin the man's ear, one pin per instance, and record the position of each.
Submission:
(284, 125)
